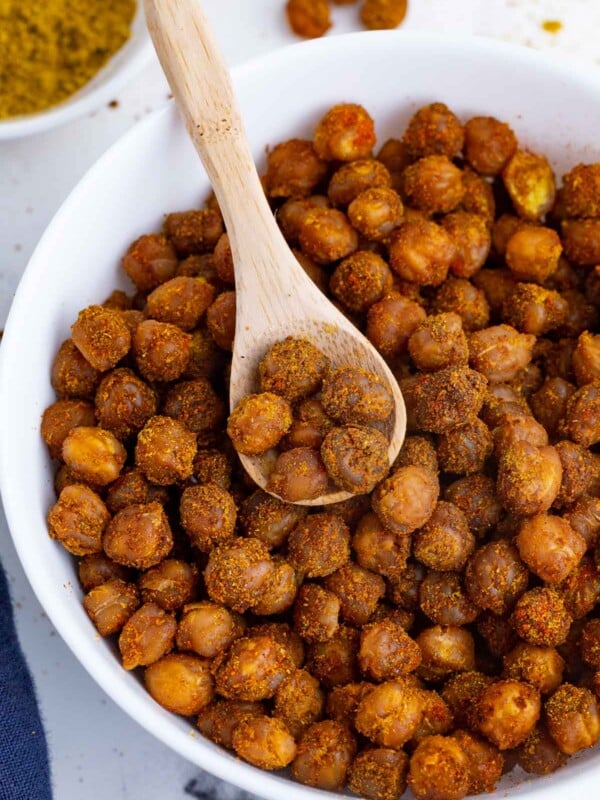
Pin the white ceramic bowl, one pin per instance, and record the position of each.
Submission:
(153, 170)
(124, 64)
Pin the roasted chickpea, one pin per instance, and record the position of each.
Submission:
(324, 754)
(463, 298)
(180, 683)
(539, 753)
(161, 350)
(220, 320)
(506, 712)
(253, 669)
(434, 130)
(182, 301)
(326, 235)
(529, 180)
(461, 692)
(445, 541)
(382, 14)
(139, 536)
(582, 420)
(447, 398)
(361, 280)
(472, 241)
(264, 741)
(577, 475)
(379, 774)
(345, 133)
(581, 241)
(293, 368)
(497, 285)
(586, 359)
(71, 375)
(445, 649)
(316, 613)
(150, 261)
(269, 519)
(542, 667)
(497, 633)
(496, 577)
(60, 418)
(205, 358)
(485, 761)
(391, 321)
(358, 591)
(102, 336)
(421, 251)
(475, 495)
(291, 215)
(379, 550)
(208, 515)
(147, 636)
(279, 590)
(499, 352)
(390, 714)
(529, 478)
(208, 629)
(479, 196)
(334, 661)
(195, 231)
(439, 768)
(573, 718)
(584, 517)
(540, 617)
(282, 633)
(387, 651)
(489, 144)
(532, 309)
(464, 450)
(293, 168)
(439, 342)
(355, 457)
(212, 466)
(124, 403)
(549, 403)
(236, 573)
(443, 599)
(95, 569)
(132, 487)
(580, 590)
(375, 212)
(170, 584)
(355, 177)
(298, 701)
(406, 500)
(110, 605)
(298, 474)
(550, 547)
(96, 456)
(78, 519)
(532, 253)
(165, 450)
(259, 422)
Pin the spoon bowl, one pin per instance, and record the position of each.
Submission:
(275, 298)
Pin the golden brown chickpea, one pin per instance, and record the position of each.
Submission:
(342, 701)
(360, 280)
(200, 266)
(281, 633)
(582, 421)
(586, 359)
(264, 741)
(390, 714)
(498, 635)
(253, 669)
(293, 368)
(403, 589)
(326, 235)
(580, 591)
(132, 318)
(475, 495)
(196, 405)
(139, 536)
(165, 450)
(550, 547)
(72, 375)
(535, 310)
(355, 177)
(147, 636)
(472, 242)
(309, 426)
(549, 403)
(479, 196)
(236, 573)
(355, 457)
(406, 500)
(161, 351)
(279, 590)
(308, 18)
(529, 478)
(436, 718)
(124, 403)
(298, 701)
(378, 549)
(208, 629)
(577, 473)
(376, 212)
(291, 215)
(499, 352)
(393, 154)
(443, 599)
(220, 320)
(439, 342)
(180, 683)
(170, 584)
(464, 450)
(132, 487)
(102, 336)
(294, 169)
(193, 231)
(110, 605)
(542, 667)
(316, 613)
(439, 768)
(95, 569)
(382, 14)
(581, 316)
(324, 754)
(269, 519)
(496, 577)
(581, 241)
(445, 649)
(379, 774)
(417, 450)
(205, 358)
(212, 466)
(334, 661)
(60, 418)
(580, 191)
(447, 398)
(208, 515)
(489, 144)
(584, 517)
(298, 474)
(529, 180)
(461, 691)
(532, 253)
(573, 718)
(434, 130)
(63, 477)
(387, 651)
(358, 591)
(445, 541)
(540, 617)
(497, 285)
(463, 298)
(218, 720)
(503, 228)
(345, 133)
(485, 761)
(391, 321)
(421, 251)
(506, 712)
(149, 261)
(95, 455)
(433, 185)
(223, 260)
(259, 422)
(78, 519)
(539, 754)
(182, 301)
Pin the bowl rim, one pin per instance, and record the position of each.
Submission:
(212, 759)
(142, 53)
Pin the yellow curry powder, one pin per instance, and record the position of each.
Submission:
(50, 48)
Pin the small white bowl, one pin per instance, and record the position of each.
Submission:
(118, 71)
(154, 169)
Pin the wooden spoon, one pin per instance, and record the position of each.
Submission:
(275, 298)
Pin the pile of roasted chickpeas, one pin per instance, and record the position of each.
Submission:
(444, 627)
(312, 18)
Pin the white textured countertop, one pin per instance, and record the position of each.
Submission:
(96, 750)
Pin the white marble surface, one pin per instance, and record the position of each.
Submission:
(97, 751)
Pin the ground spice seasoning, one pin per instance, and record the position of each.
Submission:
(51, 48)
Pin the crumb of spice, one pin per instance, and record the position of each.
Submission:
(552, 25)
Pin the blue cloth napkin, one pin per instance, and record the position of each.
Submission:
(24, 770)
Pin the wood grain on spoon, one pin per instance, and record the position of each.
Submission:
(275, 298)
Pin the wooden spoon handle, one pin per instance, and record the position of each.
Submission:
(201, 85)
